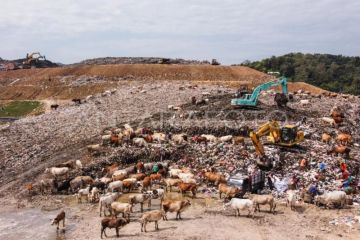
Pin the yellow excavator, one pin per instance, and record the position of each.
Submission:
(33, 60)
(287, 136)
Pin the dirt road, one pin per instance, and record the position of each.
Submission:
(206, 219)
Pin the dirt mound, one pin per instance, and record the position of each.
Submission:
(140, 60)
(79, 81)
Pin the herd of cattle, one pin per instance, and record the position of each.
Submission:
(148, 181)
(145, 182)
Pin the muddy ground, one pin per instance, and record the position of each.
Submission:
(206, 219)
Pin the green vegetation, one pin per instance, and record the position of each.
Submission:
(331, 72)
(18, 108)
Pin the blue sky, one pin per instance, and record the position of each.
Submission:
(230, 30)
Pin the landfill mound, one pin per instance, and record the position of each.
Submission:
(83, 80)
(61, 135)
(140, 60)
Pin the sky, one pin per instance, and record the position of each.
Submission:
(231, 31)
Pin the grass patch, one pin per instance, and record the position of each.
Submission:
(18, 108)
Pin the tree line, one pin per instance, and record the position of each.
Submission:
(331, 72)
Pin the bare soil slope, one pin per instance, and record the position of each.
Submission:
(83, 80)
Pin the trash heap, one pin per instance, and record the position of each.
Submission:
(313, 168)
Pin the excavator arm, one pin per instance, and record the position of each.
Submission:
(33, 57)
(272, 129)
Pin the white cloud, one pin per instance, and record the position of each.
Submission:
(231, 30)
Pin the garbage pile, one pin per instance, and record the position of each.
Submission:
(64, 134)
(346, 220)
(311, 170)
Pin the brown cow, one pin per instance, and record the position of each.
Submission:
(344, 138)
(146, 184)
(155, 177)
(229, 191)
(140, 167)
(215, 178)
(237, 140)
(175, 206)
(340, 149)
(60, 217)
(138, 176)
(325, 138)
(187, 187)
(199, 139)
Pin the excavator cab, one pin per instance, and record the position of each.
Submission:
(243, 92)
(289, 133)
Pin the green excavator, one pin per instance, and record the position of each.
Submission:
(251, 99)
